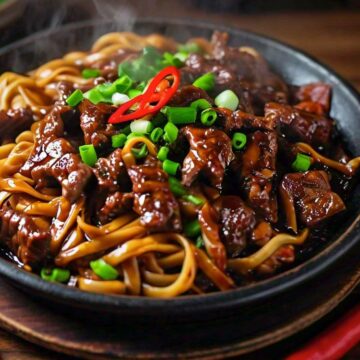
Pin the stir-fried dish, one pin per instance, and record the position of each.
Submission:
(148, 167)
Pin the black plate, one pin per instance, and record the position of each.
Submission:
(296, 68)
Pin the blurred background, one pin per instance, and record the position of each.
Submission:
(327, 29)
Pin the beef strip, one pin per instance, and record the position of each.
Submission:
(93, 122)
(187, 94)
(210, 153)
(13, 122)
(24, 237)
(319, 93)
(236, 223)
(113, 180)
(53, 157)
(309, 193)
(258, 172)
(299, 124)
(153, 200)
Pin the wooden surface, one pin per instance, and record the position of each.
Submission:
(332, 37)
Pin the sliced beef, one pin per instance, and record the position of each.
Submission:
(236, 223)
(153, 200)
(13, 122)
(210, 153)
(187, 94)
(20, 233)
(113, 181)
(319, 93)
(310, 194)
(93, 122)
(258, 171)
(300, 125)
(54, 158)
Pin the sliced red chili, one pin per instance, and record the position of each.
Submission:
(150, 101)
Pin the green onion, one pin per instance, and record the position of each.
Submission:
(200, 104)
(55, 275)
(192, 228)
(302, 163)
(141, 126)
(118, 140)
(141, 86)
(205, 82)
(104, 270)
(170, 167)
(119, 99)
(88, 154)
(126, 130)
(181, 115)
(208, 117)
(140, 153)
(156, 134)
(190, 48)
(75, 98)
(239, 140)
(227, 99)
(163, 153)
(133, 93)
(171, 132)
(90, 73)
(199, 242)
(194, 199)
(176, 187)
(176, 60)
(134, 134)
(123, 84)
(159, 120)
(107, 89)
(95, 96)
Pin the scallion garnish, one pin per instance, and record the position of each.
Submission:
(90, 73)
(227, 99)
(192, 229)
(118, 140)
(238, 140)
(141, 152)
(133, 93)
(141, 126)
(176, 187)
(119, 99)
(205, 82)
(302, 163)
(171, 132)
(200, 104)
(194, 199)
(88, 154)
(123, 84)
(104, 270)
(208, 117)
(170, 167)
(199, 242)
(163, 153)
(75, 98)
(156, 134)
(55, 275)
(181, 115)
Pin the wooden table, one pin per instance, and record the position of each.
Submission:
(332, 37)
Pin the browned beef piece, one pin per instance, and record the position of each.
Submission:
(236, 223)
(299, 124)
(153, 200)
(319, 93)
(187, 94)
(94, 123)
(28, 242)
(258, 171)
(237, 120)
(13, 122)
(53, 157)
(309, 193)
(210, 153)
(113, 180)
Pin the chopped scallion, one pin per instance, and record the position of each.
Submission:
(199, 242)
(181, 115)
(119, 99)
(176, 187)
(141, 126)
(302, 163)
(75, 98)
(208, 117)
(205, 82)
(88, 154)
(104, 270)
(192, 229)
(156, 134)
(123, 84)
(194, 199)
(163, 153)
(238, 140)
(171, 132)
(141, 152)
(55, 275)
(118, 140)
(200, 104)
(170, 167)
(227, 99)
(90, 73)
(133, 93)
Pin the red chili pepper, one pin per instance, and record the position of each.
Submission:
(335, 342)
(150, 101)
